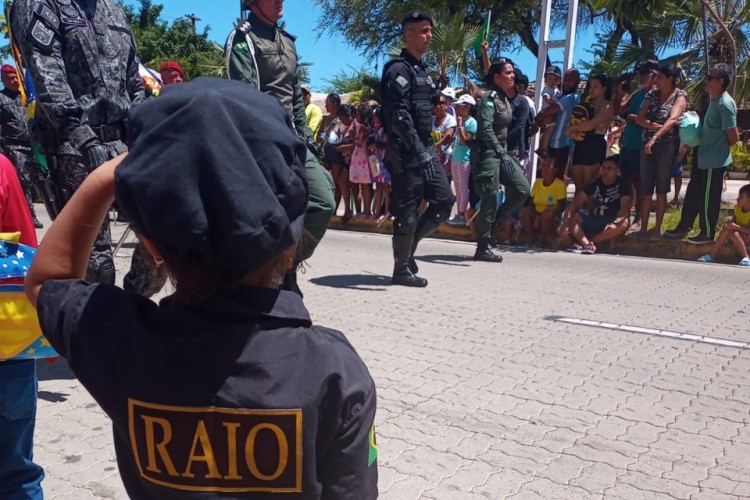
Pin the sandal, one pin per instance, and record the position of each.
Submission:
(589, 249)
(346, 218)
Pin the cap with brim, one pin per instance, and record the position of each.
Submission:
(466, 99)
(449, 93)
(416, 16)
(305, 88)
(215, 175)
(553, 70)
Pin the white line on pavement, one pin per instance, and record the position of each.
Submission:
(651, 331)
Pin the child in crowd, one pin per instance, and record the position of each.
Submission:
(737, 231)
(230, 360)
(461, 162)
(360, 175)
(345, 147)
(550, 95)
(540, 219)
(378, 144)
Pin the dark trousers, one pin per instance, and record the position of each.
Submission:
(703, 198)
(408, 189)
(20, 477)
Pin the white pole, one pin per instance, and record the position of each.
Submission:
(541, 67)
(570, 36)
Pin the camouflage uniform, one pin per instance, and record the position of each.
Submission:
(82, 56)
(14, 130)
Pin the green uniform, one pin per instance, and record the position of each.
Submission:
(494, 166)
(265, 57)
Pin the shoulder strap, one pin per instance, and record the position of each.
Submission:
(243, 29)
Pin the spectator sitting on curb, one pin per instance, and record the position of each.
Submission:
(540, 218)
(737, 231)
(611, 197)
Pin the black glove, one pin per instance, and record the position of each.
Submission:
(429, 165)
(313, 148)
(95, 153)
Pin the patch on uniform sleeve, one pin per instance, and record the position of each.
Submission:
(48, 16)
(489, 103)
(242, 47)
(217, 449)
(373, 447)
(402, 81)
(42, 35)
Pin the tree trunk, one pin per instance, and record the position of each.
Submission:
(611, 50)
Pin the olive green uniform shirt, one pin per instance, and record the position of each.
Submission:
(274, 55)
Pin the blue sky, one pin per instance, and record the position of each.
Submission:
(328, 53)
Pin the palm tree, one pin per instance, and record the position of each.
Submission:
(451, 41)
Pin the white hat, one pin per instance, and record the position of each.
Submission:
(449, 93)
(466, 99)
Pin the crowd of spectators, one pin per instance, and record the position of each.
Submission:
(618, 142)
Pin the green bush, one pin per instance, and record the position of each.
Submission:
(741, 158)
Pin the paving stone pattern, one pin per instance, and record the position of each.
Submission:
(480, 397)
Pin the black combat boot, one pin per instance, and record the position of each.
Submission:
(403, 276)
(484, 254)
(37, 223)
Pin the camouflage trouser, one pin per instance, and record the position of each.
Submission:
(144, 278)
(71, 171)
(22, 159)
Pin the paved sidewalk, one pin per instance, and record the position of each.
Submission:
(482, 395)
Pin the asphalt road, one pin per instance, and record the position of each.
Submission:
(552, 375)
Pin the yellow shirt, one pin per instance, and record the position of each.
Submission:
(314, 118)
(741, 218)
(547, 197)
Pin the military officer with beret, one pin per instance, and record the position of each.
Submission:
(263, 55)
(225, 389)
(495, 166)
(81, 54)
(408, 94)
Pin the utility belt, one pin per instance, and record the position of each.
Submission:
(110, 133)
(50, 142)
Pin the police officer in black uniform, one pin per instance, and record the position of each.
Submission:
(408, 97)
(225, 389)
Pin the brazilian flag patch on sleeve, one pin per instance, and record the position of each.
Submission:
(373, 447)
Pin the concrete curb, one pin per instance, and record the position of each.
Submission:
(629, 245)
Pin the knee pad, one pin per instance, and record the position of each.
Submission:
(102, 271)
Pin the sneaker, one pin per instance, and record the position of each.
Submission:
(656, 236)
(700, 239)
(458, 220)
(744, 262)
(676, 234)
(575, 249)
(708, 258)
(589, 249)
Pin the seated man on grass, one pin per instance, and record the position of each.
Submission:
(737, 231)
(540, 218)
(610, 198)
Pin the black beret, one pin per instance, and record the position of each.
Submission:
(215, 175)
(416, 16)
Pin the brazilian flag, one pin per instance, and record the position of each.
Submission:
(482, 36)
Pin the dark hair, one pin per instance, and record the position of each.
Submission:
(670, 70)
(605, 82)
(745, 190)
(521, 79)
(723, 71)
(344, 110)
(546, 155)
(650, 66)
(614, 159)
(496, 67)
(365, 113)
(335, 98)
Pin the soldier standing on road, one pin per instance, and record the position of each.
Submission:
(408, 96)
(81, 54)
(262, 54)
(14, 130)
(495, 165)
(83, 89)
